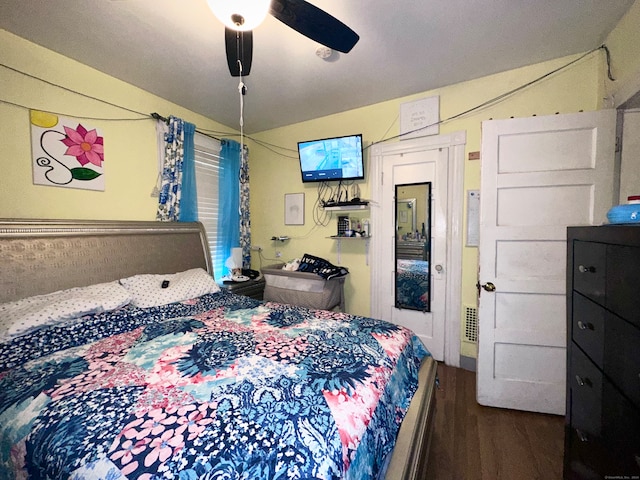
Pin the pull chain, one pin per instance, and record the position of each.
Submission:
(242, 89)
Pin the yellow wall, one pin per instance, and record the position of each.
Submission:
(273, 175)
(624, 45)
(130, 164)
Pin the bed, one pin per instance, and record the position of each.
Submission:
(216, 385)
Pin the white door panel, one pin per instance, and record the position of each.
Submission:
(538, 176)
(410, 168)
(442, 158)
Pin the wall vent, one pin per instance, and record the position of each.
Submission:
(470, 324)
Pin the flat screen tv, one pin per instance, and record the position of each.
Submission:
(338, 158)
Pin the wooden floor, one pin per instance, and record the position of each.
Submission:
(474, 442)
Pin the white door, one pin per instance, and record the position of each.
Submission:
(404, 169)
(449, 150)
(538, 176)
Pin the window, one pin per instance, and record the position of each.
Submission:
(207, 156)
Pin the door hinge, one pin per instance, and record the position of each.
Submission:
(618, 145)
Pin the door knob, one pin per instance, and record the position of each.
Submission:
(489, 287)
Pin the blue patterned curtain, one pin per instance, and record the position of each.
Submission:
(229, 208)
(245, 221)
(177, 192)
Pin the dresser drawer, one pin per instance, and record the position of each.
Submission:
(623, 282)
(589, 269)
(621, 433)
(587, 327)
(585, 387)
(622, 356)
(587, 456)
(612, 452)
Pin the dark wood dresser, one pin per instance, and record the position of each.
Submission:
(602, 427)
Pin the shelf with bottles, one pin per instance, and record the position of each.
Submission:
(353, 237)
(352, 227)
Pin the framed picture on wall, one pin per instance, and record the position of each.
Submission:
(294, 209)
(66, 152)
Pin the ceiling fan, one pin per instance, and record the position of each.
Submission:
(242, 16)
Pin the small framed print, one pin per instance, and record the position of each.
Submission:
(294, 209)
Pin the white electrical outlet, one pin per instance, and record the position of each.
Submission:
(256, 248)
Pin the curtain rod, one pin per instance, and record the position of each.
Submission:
(157, 116)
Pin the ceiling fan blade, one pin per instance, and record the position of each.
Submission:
(239, 47)
(315, 24)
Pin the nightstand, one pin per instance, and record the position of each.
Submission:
(250, 288)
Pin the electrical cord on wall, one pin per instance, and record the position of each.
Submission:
(503, 96)
(262, 257)
(272, 147)
(322, 217)
(355, 190)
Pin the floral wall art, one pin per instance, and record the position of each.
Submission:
(66, 152)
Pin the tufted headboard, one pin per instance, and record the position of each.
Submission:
(42, 256)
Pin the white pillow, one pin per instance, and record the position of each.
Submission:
(32, 313)
(146, 290)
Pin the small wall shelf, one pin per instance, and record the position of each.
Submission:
(343, 237)
(348, 207)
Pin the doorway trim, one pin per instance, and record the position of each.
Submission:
(455, 142)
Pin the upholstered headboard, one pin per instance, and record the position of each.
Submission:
(43, 256)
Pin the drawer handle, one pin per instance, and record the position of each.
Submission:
(581, 381)
(583, 269)
(585, 326)
(582, 436)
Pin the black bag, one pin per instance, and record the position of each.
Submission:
(321, 267)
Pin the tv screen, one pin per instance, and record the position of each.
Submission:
(338, 158)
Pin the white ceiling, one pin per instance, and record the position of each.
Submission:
(175, 49)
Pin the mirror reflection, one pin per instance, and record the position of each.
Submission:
(413, 232)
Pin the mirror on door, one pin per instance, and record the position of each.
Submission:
(413, 233)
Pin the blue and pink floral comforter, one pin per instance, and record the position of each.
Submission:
(219, 387)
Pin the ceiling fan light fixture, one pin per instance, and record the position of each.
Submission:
(324, 52)
(242, 15)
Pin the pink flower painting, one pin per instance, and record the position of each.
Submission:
(85, 145)
(66, 153)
